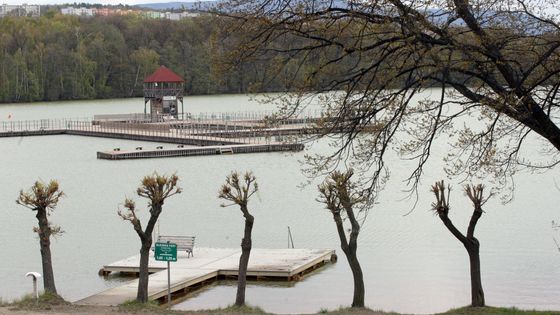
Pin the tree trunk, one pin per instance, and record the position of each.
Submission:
(246, 245)
(135, 81)
(45, 243)
(359, 289)
(350, 249)
(477, 294)
(142, 295)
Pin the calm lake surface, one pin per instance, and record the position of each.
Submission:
(411, 263)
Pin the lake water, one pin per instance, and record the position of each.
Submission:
(411, 263)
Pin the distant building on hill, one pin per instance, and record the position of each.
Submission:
(78, 11)
(104, 11)
(176, 16)
(20, 10)
(152, 14)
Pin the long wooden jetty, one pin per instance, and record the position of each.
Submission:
(213, 133)
(207, 265)
(29, 133)
(141, 153)
(156, 137)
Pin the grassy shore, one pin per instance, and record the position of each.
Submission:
(496, 311)
(52, 304)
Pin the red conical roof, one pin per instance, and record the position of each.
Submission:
(163, 74)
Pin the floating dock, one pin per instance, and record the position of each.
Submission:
(207, 265)
(29, 133)
(141, 153)
(164, 137)
(212, 134)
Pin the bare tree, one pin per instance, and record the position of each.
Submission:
(156, 188)
(239, 191)
(43, 199)
(495, 60)
(471, 244)
(340, 195)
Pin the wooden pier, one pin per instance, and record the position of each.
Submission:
(212, 134)
(141, 153)
(209, 264)
(29, 133)
(156, 137)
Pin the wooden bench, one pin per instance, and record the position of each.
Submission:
(185, 243)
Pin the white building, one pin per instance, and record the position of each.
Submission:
(78, 11)
(173, 16)
(186, 14)
(20, 10)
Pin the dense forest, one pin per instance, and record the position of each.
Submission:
(61, 57)
(58, 57)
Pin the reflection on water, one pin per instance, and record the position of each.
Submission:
(411, 263)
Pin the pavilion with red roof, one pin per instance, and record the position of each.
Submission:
(163, 89)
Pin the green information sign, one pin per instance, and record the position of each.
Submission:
(166, 251)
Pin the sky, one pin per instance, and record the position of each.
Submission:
(551, 5)
(111, 2)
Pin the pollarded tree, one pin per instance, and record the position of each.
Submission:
(43, 199)
(341, 196)
(156, 188)
(471, 244)
(238, 191)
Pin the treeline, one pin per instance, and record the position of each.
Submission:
(58, 57)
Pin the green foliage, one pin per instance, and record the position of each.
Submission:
(152, 307)
(46, 301)
(43, 198)
(41, 195)
(134, 306)
(156, 188)
(460, 311)
(496, 310)
(245, 309)
(58, 57)
(355, 311)
(238, 190)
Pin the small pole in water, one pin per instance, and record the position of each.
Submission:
(290, 239)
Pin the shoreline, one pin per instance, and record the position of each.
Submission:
(133, 308)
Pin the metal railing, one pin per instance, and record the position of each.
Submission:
(229, 127)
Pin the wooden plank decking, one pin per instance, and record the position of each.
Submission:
(164, 137)
(196, 151)
(212, 136)
(29, 133)
(208, 264)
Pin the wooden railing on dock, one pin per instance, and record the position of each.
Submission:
(200, 129)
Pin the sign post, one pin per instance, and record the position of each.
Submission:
(166, 252)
